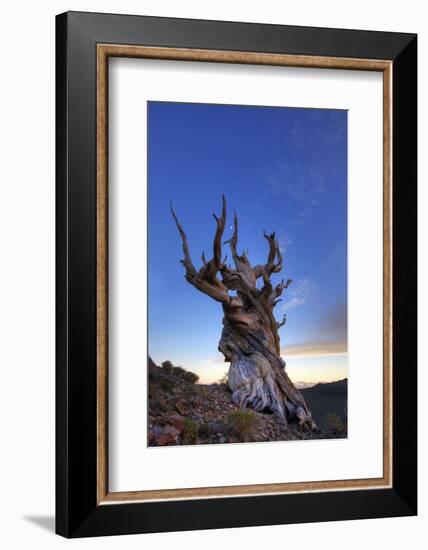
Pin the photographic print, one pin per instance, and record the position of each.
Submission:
(247, 281)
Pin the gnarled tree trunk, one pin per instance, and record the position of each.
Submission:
(250, 339)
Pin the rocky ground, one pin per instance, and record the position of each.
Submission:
(183, 412)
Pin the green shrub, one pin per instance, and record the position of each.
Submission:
(335, 423)
(178, 371)
(202, 391)
(190, 377)
(166, 386)
(168, 366)
(242, 423)
(204, 431)
(190, 432)
(224, 380)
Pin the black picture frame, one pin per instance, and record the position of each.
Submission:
(77, 512)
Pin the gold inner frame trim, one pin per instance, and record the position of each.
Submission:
(104, 51)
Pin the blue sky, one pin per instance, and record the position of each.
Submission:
(283, 170)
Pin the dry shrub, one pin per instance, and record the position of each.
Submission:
(224, 380)
(242, 423)
(168, 366)
(190, 432)
(190, 377)
(335, 423)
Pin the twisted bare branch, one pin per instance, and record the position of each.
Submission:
(205, 279)
(274, 263)
(281, 323)
(187, 261)
(242, 265)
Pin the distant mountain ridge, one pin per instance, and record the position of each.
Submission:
(183, 412)
(326, 399)
(305, 385)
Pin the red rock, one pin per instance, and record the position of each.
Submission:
(162, 402)
(170, 430)
(177, 421)
(164, 439)
(167, 436)
(181, 406)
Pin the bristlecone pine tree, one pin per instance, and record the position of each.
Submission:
(250, 339)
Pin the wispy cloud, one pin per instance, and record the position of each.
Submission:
(326, 126)
(305, 385)
(315, 349)
(214, 360)
(334, 324)
(297, 294)
(328, 337)
(303, 184)
(284, 241)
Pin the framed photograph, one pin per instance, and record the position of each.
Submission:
(236, 274)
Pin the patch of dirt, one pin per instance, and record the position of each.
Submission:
(183, 412)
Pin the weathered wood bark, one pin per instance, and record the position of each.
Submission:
(250, 339)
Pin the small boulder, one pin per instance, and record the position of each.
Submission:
(168, 436)
(216, 427)
(171, 430)
(181, 406)
(164, 439)
(177, 421)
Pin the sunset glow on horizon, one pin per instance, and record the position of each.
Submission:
(283, 170)
(310, 369)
